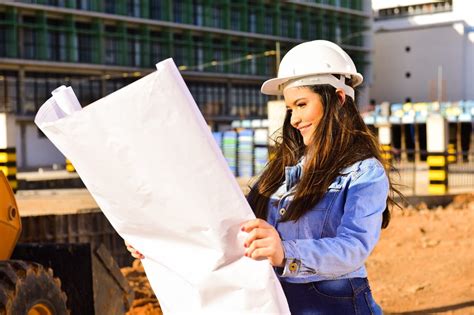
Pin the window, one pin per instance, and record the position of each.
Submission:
(156, 52)
(110, 6)
(209, 97)
(284, 25)
(262, 104)
(252, 23)
(29, 43)
(243, 100)
(134, 49)
(84, 42)
(159, 50)
(57, 3)
(338, 33)
(218, 55)
(235, 18)
(113, 85)
(268, 26)
(178, 11)
(216, 17)
(252, 61)
(56, 41)
(324, 28)
(156, 10)
(28, 105)
(111, 46)
(133, 8)
(198, 13)
(87, 89)
(199, 55)
(3, 37)
(38, 87)
(83, 4)
(312, 29)
(298, 29)
(179, 51)
(269, 64)
(238, 56)
(42, 92)
(8, 91)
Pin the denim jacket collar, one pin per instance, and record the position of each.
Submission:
(293, 174)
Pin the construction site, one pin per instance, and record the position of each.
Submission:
(61, 252)
(422, 264)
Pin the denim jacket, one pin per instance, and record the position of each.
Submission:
(333, 239)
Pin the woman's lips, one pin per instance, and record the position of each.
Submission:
(304, 129)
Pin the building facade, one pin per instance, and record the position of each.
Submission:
(224, 49)
(423, 51)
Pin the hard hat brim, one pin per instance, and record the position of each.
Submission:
(272, 86)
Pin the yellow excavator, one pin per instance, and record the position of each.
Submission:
(26, 288)
(86, 280)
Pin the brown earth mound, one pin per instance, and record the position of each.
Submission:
(145, 302)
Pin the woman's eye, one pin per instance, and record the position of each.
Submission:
(301, 105)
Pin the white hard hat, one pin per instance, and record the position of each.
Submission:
(312, 63)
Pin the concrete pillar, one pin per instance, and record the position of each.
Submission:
(8, 148)
(276, 117)
(437, 140)
(385, 140)
(384, 131)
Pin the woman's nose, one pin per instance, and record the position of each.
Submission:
(295, 119)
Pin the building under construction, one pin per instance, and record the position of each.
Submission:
(225, 50)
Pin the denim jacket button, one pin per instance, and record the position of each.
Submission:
(293, 267)
(282, 211)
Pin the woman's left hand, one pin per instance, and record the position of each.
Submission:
(263, 242)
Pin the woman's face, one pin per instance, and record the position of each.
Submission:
(306, 110)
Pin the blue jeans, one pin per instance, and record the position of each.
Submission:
(345, 297)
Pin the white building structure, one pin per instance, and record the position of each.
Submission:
(423, 51)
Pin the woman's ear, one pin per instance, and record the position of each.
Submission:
(341, 95)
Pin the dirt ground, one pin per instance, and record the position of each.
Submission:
(423, 264)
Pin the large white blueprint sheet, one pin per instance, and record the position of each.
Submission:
(149, 160)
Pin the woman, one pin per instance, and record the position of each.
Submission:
(323, 199)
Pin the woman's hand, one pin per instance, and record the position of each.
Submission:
(263, 242)
(135, 253)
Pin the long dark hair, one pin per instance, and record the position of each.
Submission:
(340, 139)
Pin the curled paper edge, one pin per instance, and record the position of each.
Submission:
(66, 99)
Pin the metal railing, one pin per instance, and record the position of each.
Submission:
(411, 171)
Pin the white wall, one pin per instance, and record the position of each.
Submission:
(469, 64)
(7, 130)
(430, 47)
(40, 152)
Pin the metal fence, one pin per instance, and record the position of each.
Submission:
(411, 171)
(461, 172)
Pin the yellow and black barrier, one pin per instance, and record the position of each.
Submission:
(438, 173)
(452, 158)
(387, 152)
(69, 167)
(8, 166)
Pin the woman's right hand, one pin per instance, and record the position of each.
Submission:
(135, 253)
